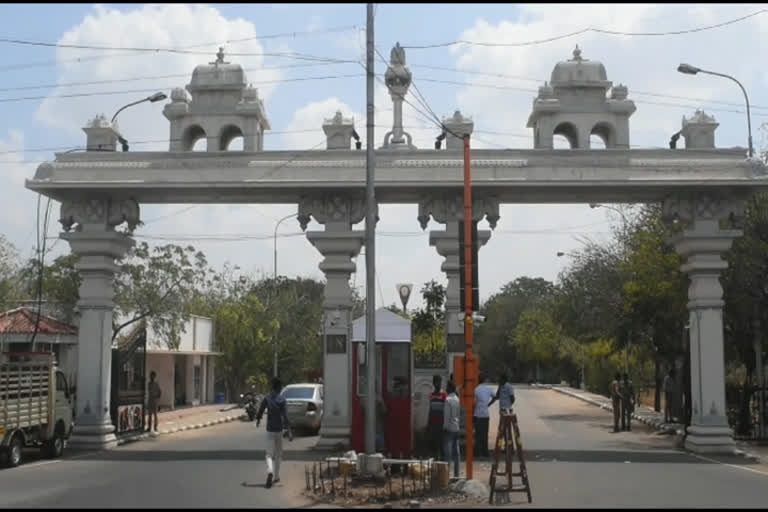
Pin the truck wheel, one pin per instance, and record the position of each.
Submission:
(15, 451)
(55, 447)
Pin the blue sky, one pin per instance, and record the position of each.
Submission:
(528, 237)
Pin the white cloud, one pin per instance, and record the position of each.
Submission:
(19, 203)
(151, 26)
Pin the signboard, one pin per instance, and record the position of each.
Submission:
(130, 418)
(336, 343)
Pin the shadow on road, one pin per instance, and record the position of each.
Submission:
(614, 456)
(200, 455)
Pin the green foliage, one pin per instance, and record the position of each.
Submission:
(502, 313)
(11, 285)
(157, 284)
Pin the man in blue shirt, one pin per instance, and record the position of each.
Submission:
(505, 395)
(481, 417)
(277, 420)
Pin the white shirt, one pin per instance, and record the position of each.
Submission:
(451, 415)
(483, 395)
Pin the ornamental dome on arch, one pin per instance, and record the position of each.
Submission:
(217, 75)
(579, 72)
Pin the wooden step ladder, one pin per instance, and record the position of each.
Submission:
(511, 445)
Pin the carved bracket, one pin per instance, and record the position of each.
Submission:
(330, 208)
(450, 208)
(689, 207)
(107, 213)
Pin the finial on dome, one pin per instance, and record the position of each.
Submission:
(577, 53)
(220, 56)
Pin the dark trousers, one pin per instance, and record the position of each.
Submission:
(436, 440)
(616, 414)
(481, 436)
(626, 415)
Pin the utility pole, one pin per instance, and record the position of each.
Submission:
(370, 244)
(469, 389)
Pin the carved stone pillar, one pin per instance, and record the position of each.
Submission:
(702, 243)
(338, 244)
(449, 210)
(98, 245)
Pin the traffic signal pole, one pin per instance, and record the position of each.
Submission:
(469, 390)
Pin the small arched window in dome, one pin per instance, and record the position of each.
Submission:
(231, 138)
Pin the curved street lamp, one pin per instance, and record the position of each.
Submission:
(158, 96)
(275, 237)
(687, 69)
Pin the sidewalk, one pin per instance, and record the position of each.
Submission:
(190, 418)
(654, 419)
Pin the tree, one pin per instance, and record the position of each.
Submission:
(537, 338)
(154, 284)
(10, 285)
(432, 316)
(157, 284)
(654, 293)
(502, 312)
(244, 335)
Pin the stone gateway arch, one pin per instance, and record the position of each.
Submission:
(701, 187)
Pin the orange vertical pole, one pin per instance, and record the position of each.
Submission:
(469, 391)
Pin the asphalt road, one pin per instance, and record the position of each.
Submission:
(573, 459)
(221, 466)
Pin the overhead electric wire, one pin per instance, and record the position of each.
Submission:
(584, 31)
(160, 77)
(180, 49)
(167, 87)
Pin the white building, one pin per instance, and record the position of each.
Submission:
(186, 375)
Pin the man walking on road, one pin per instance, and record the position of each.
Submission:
(627, 403)
(277, 420)
(616, 399)
(481, 417)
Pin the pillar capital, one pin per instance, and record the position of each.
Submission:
(337, 211)
(102, 214)
(449, 207)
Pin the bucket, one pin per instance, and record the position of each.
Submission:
(220, 398)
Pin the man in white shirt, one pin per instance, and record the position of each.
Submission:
(481, 417)
(451, 427)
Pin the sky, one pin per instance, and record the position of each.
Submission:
(49, 92)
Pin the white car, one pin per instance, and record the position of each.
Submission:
(304, 403)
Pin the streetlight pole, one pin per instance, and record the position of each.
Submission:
(275, 245)
(687, 69)
(158, 96)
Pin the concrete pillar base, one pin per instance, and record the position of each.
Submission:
(702, 439)
(93, 437)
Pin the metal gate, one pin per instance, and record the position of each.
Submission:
(129, 363)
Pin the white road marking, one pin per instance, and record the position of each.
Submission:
(730, 465)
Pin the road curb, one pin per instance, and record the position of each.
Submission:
(146, 435)
(656, 424)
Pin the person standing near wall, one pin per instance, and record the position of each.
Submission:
(616, 400)
(451, 428)
(277, 420)
(153, 398)
(481, 417)
(436, 412)
(627, 403)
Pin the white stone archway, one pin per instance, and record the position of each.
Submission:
(100, 190)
